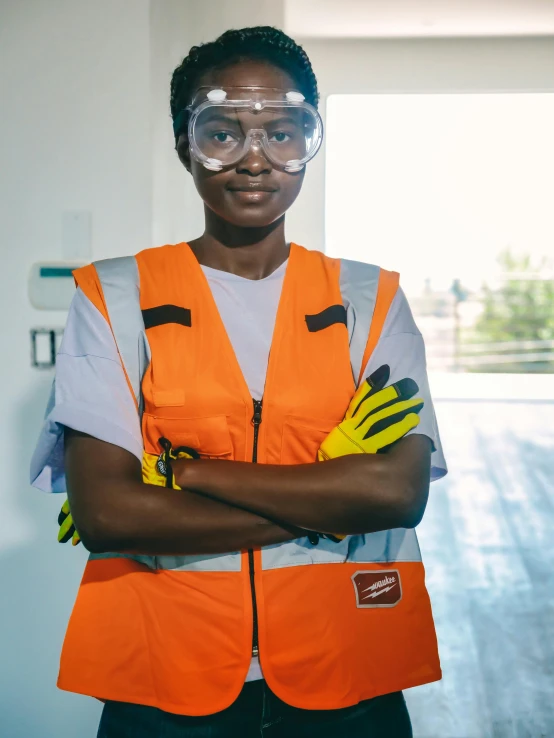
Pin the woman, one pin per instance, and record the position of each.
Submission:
(214, 607)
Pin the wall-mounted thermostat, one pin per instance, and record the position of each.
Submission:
(51, 285)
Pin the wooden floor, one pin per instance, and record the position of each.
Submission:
(487, 541)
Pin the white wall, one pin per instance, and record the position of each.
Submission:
(409, 19)
(75, 134)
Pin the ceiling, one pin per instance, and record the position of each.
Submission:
(418, 18)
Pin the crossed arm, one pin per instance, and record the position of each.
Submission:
(229, 506)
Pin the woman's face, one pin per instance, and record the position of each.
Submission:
(231, 193)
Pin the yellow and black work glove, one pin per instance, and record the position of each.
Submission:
(156, 470)
(376, 419)
(67, 528)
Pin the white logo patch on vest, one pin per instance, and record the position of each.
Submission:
(377, 588)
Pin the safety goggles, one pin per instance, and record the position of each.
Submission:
(225, 125)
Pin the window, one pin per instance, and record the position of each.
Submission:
(456, 192)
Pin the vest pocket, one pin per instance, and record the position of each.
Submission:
(210, 436)
(168, 398)
(302, 437)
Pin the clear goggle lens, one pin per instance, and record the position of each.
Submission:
(221, 133)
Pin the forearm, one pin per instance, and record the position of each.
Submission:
(152, 520)
(353, 494)
(114, 511)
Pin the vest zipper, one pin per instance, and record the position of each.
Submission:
(256, 420)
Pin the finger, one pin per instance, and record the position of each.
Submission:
(372, 403)
(64, 512)
(404, 389)
(379, 378)
(392, 420)
(66, 530)
(375, 382)
(385, 417)
(386, 438)
(76, 539)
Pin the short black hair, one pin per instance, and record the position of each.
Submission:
(265, 43)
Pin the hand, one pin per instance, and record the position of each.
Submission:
(156, 470)
(67, 528)
(377, 417)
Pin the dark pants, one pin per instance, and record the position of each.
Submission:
(259, 713)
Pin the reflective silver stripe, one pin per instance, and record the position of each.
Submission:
(358, 286)
(201, 562)
(149, 561)
(387, 546)
(398, 544)
(301, 552)
(120, 282)
(121, 287)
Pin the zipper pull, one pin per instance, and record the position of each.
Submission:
(257, 417)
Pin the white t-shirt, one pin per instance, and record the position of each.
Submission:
(90, 393)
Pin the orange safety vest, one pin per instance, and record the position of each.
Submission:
(336, 623)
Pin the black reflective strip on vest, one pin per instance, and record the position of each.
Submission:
(328, 317)
(164, 314)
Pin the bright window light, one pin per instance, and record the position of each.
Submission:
(454, 191)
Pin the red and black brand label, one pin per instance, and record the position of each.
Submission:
(377, 588)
